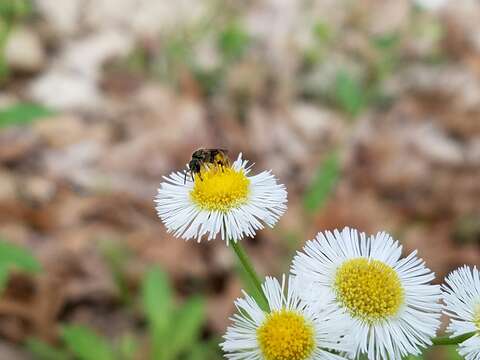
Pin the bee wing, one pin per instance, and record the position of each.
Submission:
(223, 152)
(216, 150)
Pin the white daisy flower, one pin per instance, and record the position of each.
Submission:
(461, 295)
(289, 331)
(226, 201)
(393, 309)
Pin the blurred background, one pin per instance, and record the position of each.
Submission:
(368, 111)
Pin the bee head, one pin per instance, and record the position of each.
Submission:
(194, 166)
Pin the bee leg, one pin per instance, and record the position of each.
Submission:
(223, 165)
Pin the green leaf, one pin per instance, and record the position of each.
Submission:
(14, 257)
(4, 31)
(209, 80)
(15, 9)
(201, 352)
(23, 113)
(205, 350)
(322, 31)
(43, 351)
(186, 328)
(178, 49)
(85, 344)
(127, 347)
(4, 272)
(157, 297)
(157, 304)
(325, 180)
(348, 94)
(117, 256)
(386, 42)
(233, 41)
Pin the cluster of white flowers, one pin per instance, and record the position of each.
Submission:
(347, 295)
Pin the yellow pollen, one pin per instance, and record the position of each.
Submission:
(369, 289)
(476, 317)
(220, 188)
(285, 335)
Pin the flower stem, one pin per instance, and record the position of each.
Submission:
(252, 274)
(445, 340)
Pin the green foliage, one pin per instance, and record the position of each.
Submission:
(178, 48)
(174, 58)
(387, 59)
(13, 257)
(233, 41)
(323, 183)
(4, 30)
(204, 351)
(85, 344)
(82, 343)
(116, 256)
(349, 94)
(137, 61)
(44, 351)
(386, 42)
(173, 331)
(11, 12)
(127, 347)
(157, 304)
(23, 113)
(187, 323)
(209, 80)
(322, 32)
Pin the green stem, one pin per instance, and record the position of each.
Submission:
(252, 274)
(445, 340)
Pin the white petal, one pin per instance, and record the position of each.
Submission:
(418, 318)
(330, 326)
(266, 203)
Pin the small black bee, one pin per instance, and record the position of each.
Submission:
(204, 157)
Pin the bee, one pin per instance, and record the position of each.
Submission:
(204, 158)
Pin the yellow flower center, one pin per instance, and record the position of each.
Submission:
(369, 289)
(476, 317)
(220, 188)
(285, 335)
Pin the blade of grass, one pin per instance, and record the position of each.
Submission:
(157, 304)
(348, 94)
(13, 257)
(187, 326)
(85, 344)
(323, 183)
(23, 113)
(43, 351)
